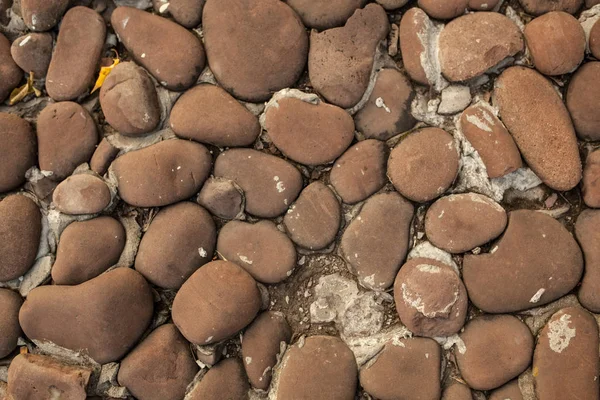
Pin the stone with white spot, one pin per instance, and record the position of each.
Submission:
(416, 37)
(483, 5)
(539, 7)
(186, 12)
(42, 15)
(32, 52)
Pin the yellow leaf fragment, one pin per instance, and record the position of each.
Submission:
(104, 71)
(23, 350)
(21, 92)
(535, 371)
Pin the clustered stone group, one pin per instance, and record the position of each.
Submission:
(444, 150)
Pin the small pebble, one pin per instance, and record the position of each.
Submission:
(588, 236)
(583, 103)
(33, 52)
(81, 194)
(10, 330)
(591, 180)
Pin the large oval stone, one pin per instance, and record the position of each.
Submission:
(226, 380)
(539, 7)
(215, 302)
(308, 133)
(340, 59)
(261, 249)
(163, 173)
(565, 362)
(325, 14)
(583, 102)
(42, 15)
(270, 184)
(535, 262)
(588, 236)
(76, 54)
(591, 180)
(180, 239)
(172, 54)
(11, 73)
(254, 47)
(208, 114)
(20, 231)
(17, 150)
(539, 122)
(33, 52)
(103, 317)
(10, 330)
(81, 194)
(376, 241)
(472, 44)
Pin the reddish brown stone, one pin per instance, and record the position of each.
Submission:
(17, 150)
(539, 7)
(224, 381)
(444, 9)
(325, 14)
(10, 330)
(11, 73)
(535, 262)
(483, 5)
(591, 180)
(583, 101)
(458, 391)
(103, 156)
(81, 194)
(594, 40)
(33, 52)
(414, 24)
(222, 197)
(510, 391)
(588, 235)
(186, 12)
(42, 15)
(498, 349)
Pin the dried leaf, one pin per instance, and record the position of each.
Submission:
(23, 350)
(20, 93)
(104, 71)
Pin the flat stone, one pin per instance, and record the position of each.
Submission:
(36, 377)
(360, 171)
(472, 44)
(261, 345)
(510, 391)
(186, 12)
(534, 263)
(539, 7)
(66, 137)
(455, 98)
(32, 52)
(461, 222)
(105, 316)
(208, 114)
(594, 40)
(76, 54)
(10, 303)
(424, 165)
(226, 380)
(42, 15)
(11, 73)
(415, 29)
(556, 43)
(17, 150)
(541, 126)
(404, 369)
(86, 249)
(325, 14)
(170, 53)
(163, 173)
(180, 239)
(340, 60)
(308, 133)
(254, 47)
(458, 391)
(222, 197)
(388, 111)
(20, 230)
(565, 362)
(498, 349)
(103, 156)
(588, 236)
(270, 184)
(314, 219)
(376, 241)
(591, 180)
(129, 100)
(261, 249)
(81, 194)
(489, 137)
(215, 302)
(392, 4)
(444, 9)
(583, 103)
(160, 367)
(317, 367)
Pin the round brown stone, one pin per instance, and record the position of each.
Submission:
(254, 47)
(591, 180)
(539, 7)
(261, 249)
(103, 156)
(444, 9)
(224, 381)
(208, 114)
(33, 52)
(42, 15)
(317, 367)
(215, 302)
(261, 345)
(360, 171)
(86, 249)
(20, 230)
(483, 5)
(67, 137)
(104, 317)
(10, 303)
(17, 151)
(314, 219)
(325, 14)
(556, 42)
(222, 197)
(458, 391)
(413, 25)
(588, 236)
(594, 40)
(431, 300)
(180, 239)
(510, 391)
(424, 165)
(461, 222)
(81, 194)
(583, 102)
(11, 73)
(498, 349)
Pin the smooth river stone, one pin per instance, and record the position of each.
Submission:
(376, 241)
(594, 40)
(222, 197)
(535, 262)
(261, 249)
(325, 14)
(17, 150)
(10, 72)
(76, 55)
(208, 114)
(472, 44)
(186, 12)
(583, 101)
(10, 330)
(103, 156)
(270, 184)
(170, 53)
(444, 9)
(254, 47)
(311, 134)
(461, 222)
(565, 362)
(340, 60)
(539, 7)
(216, 302)
(33, 52)
(81, 194)
(42, 15)
(224, 381)
(591, 180)
(414, 30)
(163, 173)
(588, 236)
(20, 230)
(539, 122)
(104, 316)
